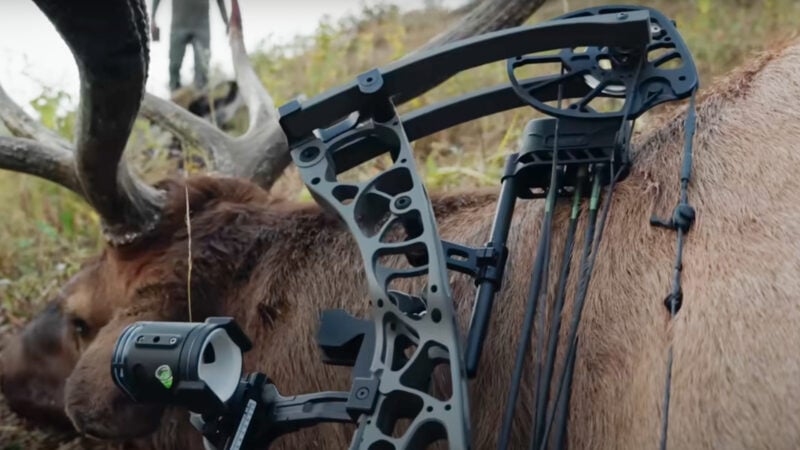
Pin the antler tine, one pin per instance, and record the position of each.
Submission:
(108, 39)
(42, 160)
(190, 129)
(36, 150)
(264, 149)
(22, 125)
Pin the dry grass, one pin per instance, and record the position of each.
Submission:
(45, 231)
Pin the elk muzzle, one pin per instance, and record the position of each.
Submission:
(35, 365)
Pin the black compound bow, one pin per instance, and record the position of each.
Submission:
(631, 54)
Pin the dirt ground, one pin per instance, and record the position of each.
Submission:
(16, 435)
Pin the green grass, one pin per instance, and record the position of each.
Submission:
(46, 231)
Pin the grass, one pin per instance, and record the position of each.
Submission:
(46, 231)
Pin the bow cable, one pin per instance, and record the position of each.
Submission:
(682, 220)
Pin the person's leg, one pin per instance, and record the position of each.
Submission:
(202, 56)
(178, 38)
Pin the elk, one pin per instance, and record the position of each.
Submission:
(267, 262)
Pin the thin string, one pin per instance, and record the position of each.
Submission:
(555, 326)
(540, 396)
(682, 220)
(539, 270)
(188, 222)
(583, 284)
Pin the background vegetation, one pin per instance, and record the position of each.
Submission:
(45, 231)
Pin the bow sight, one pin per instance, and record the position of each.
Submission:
(617, 53)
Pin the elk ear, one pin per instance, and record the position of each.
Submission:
(94, 404)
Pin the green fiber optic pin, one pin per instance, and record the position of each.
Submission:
(164, 375)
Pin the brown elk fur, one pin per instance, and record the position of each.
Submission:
(274, 266)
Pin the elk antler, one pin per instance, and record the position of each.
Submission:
(109, 42)
(37, 150)
(260, 154)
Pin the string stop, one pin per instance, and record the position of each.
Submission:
(683, 217)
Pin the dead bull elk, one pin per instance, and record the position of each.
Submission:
(268, 263)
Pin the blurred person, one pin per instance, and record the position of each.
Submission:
(190, 25)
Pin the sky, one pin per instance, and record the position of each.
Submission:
(33, 56)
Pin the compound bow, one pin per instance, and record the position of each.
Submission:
(618, 52)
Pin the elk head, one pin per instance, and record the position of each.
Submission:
(60, 361)
(56, 371)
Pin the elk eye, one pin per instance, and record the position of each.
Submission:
(80, 326)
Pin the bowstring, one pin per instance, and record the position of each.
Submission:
(583, 283)
(540, 380)
(558, 306)
(539, 270)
